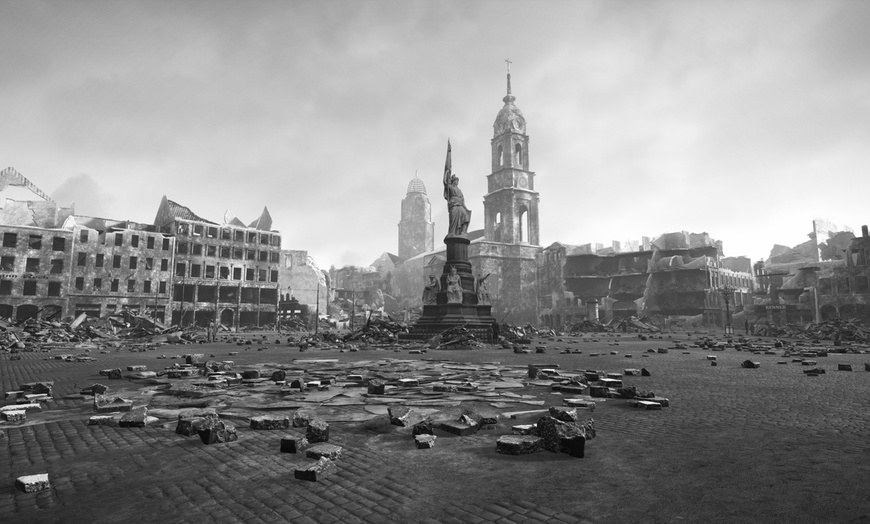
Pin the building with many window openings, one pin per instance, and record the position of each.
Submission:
(229, 271)
(118, 264)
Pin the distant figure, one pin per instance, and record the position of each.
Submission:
(454, 287)
(746, 325)
(482, 290)
(430, 292)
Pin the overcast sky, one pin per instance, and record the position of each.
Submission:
(742, 119)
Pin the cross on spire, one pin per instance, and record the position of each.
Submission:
(508, 61)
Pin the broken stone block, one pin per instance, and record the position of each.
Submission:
(101, 420)
(28, 406)
(301, 419)
(112, 374)
(523, 429)
(631, 372)
(518, 444)
(714, 363)
(317, 471)
(270, 422)
(574, 446)
(38, 388)
(219, 433)
(663, 350)
(193, 420)
(844, 367)
(137, 368)
(279, 375)
(459, 428)
(32, 483)
(750, 364)
(376, 387)
(104, 404)
(318, 431)
(564, 414)
(135, 419)
(423, 428)
(599, 391)
(96, 389)
(553, 432)
(424, 441)
(195, 359)
(250, 374)
(317, 451)
(14, 416)
(399, 415)
(143, 374)
(292, 444)
(579, 403)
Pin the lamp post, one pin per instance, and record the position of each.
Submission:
(727, 291)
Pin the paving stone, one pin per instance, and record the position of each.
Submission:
(750, 364)
(844, 367)
(293, 444)
(279, 375)
(112, 374)
(250, 374)
(28, 406)
(317, 471)
(318, 431)
(518, 444)
(270, 422)
(322, 449)
(137, 368)
(32, 483)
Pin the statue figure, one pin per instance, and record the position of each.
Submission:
(460, 215)
(454, 287)
(482, 290)
(430, 291)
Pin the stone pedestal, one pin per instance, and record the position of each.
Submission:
(443, 315)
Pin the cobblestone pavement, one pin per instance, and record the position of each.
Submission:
(736, 445)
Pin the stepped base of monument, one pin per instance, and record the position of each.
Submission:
(437, 318)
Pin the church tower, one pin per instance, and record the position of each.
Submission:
(511, 203)
(416, 229)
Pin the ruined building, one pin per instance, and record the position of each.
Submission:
(682, 275)
(227, 271)
(118, 264)
(416, 229)
(797, 286)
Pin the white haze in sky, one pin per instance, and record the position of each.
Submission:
(742, 119)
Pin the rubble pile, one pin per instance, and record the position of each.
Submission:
(838, 329)
(377, 331)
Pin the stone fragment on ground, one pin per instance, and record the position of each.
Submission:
(33, 483)
(399, 415)
(220, 432)
(108, 404)
(558, 436)
(318, 431)
(316, 471)
(137, 418)
(190, 421)
(518, 444)
(424, 427)
(292, 444)
(424, 441)
(102, 420)
(14, 416)
(301, 419)
(563, 413)
(270, 422)
(376, 387)
(323, 449)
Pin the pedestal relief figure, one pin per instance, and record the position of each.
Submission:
(454, 287)
(430, 291)
(482, 290)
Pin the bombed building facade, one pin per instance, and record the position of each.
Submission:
(225, 272)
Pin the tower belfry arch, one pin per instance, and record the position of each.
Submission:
(511, 202)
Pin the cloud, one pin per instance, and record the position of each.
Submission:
(87, 195)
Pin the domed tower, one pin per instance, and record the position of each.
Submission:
(511, 202)
(416, 229)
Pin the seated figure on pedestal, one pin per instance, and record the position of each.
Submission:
(430, 292)
(454, 287)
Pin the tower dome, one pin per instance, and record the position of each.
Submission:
(510, 118)
(416, 186)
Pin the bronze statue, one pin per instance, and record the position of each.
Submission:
(460, 216)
